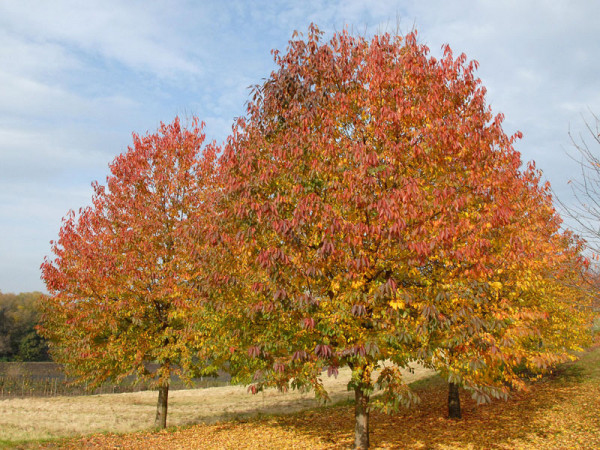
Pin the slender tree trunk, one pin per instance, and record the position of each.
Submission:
(453, 401)
(361, 417)
(161, 407)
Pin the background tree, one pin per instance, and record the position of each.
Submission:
(585, 210)
(124, 271)
(366, 183)
(531, 311)
(19, 340)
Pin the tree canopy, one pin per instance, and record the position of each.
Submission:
(377, 213)
(368, 211)
(122, 278)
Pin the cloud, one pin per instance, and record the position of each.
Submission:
(138, 35)
(31, 217)
(33, 59)
(24, 96)
(45, 155)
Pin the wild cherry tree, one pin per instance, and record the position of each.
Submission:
(124, 277)
(516, 313)
(360, 198)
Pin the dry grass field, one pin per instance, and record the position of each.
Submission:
(562, 411)
(559, 412)
(33, 419)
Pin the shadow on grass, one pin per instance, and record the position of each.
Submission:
(570, 373)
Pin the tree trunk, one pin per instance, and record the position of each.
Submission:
(361, 416)
(161, 407)
(453, 401)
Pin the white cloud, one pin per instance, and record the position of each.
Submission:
(24, 96)
(31, 217)
(139, 35)
(45, 155)
(538, 60)
(33, 59)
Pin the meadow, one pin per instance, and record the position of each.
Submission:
(560, 411)
(34, 419)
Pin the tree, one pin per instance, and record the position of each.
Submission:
(19, 315)
(362, 196)
(124, 274)
(531, 312)
(585, 210)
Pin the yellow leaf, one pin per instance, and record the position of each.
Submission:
(397, 304)
(496, 285)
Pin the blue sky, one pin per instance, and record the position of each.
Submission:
(77, 78)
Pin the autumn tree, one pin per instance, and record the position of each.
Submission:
(584, 209)
(366, 205)
(124, 274)
(528, 310)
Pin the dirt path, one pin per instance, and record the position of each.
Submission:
(39, 418)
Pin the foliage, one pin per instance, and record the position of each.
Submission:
(369, 211)
(19, 315)
(122, 278)
(374, 210)
(534, 309)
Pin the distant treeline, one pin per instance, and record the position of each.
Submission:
(19, 341)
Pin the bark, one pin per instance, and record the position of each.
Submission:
(361, 416)
(161, 407)
(453, 401)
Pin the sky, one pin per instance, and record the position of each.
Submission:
(77, 78)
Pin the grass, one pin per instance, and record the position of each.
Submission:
(25, 420)
(560, 411)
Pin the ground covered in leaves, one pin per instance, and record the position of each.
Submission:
(560, 411)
